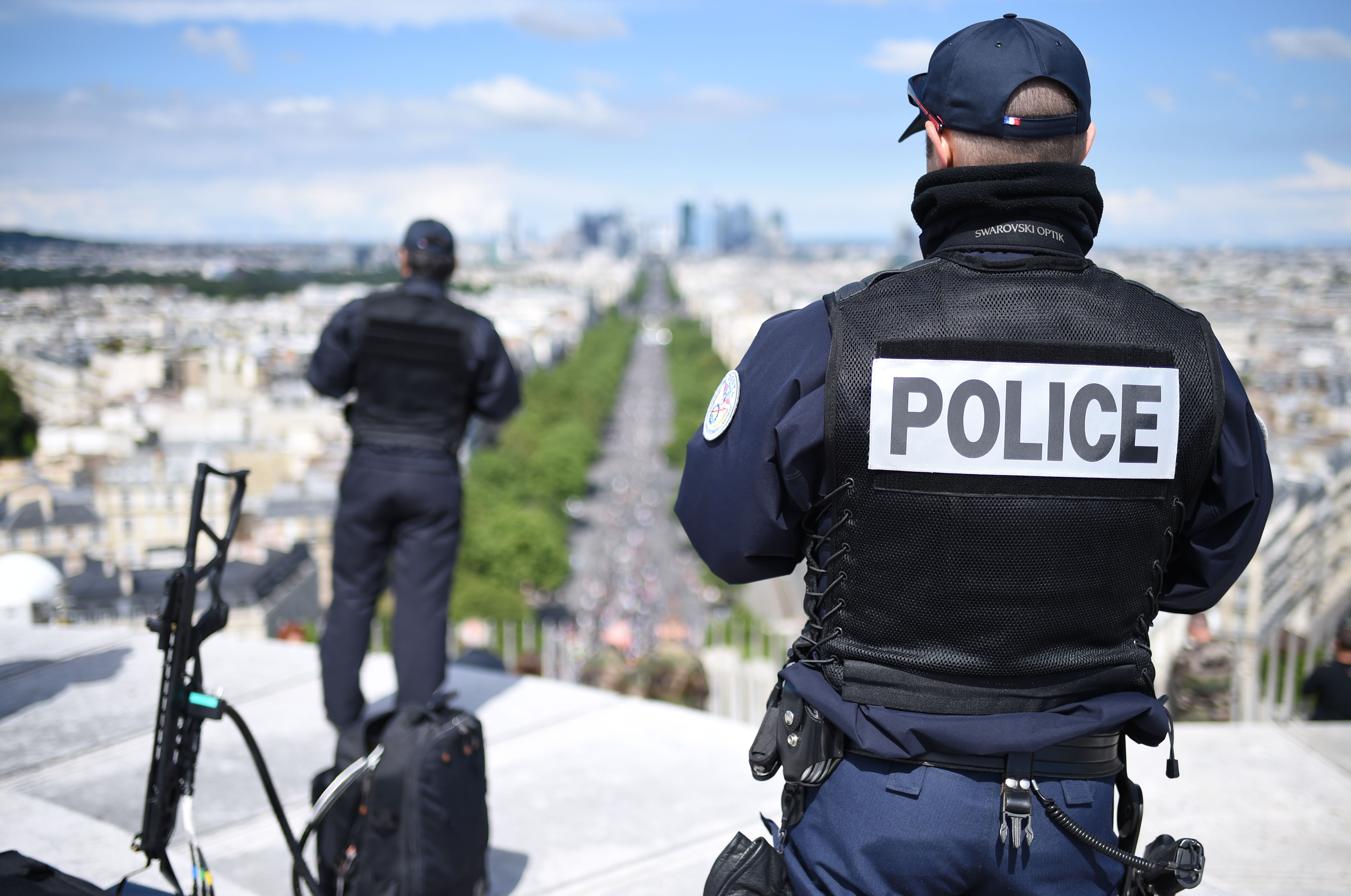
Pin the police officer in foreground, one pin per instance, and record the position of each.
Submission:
(421, 365)
(1000, 463)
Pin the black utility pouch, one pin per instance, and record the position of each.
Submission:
(808, 745)
(748, 868)
(764, 754)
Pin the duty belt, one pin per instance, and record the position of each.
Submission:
(1090, 756)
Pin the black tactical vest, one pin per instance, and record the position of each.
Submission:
(1009, 556)
(412, 373)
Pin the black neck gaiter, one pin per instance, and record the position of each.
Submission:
(973, 196)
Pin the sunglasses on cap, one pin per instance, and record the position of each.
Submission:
(936, 120)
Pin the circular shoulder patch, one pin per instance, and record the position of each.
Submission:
(722, 406)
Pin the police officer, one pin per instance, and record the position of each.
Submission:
(421, 365)
(1000, 463)
(1330, 683)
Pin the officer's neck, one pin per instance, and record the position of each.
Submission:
(976, 198)
(417, 284)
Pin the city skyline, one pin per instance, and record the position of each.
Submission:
(237, 120)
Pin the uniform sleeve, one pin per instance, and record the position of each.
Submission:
(497, 392)
(1221, 537)
(743, 495)
(333, 362)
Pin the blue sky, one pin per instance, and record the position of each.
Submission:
(1219, 123)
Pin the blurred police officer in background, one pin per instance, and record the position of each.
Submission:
(1000, 463)
(1330, 683)
(421, 365)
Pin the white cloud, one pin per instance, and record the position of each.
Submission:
(1313, 204)
(1309, 43)
(1320, 173)
(300, 107)
(1227, 78)
(511, 100)
(570, 24)
(222, 41)
(567, 19)
(930, 4)
(1161, 98)
(330, 205)
(44, 130)
(905, 57)
(714, 99)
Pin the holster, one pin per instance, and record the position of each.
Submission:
(795, 736)
(1130, 805)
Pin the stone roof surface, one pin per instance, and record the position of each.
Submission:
(590, 793)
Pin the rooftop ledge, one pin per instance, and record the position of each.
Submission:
(589, 792)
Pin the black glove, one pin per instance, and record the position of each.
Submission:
(748, 868)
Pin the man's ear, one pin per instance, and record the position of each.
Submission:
(942, 146)
(1088, 138)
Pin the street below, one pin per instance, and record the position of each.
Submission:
(633, 573)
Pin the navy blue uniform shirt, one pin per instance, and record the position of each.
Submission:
(497, 389)
(743, 497)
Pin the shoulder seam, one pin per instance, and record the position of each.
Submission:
(852, 289)
(1151, 292)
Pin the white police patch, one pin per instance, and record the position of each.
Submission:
(997, 418)
(722, 406)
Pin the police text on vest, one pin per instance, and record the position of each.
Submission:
(998, 418)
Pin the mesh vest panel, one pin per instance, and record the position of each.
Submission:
(993, 593)
(412, 373)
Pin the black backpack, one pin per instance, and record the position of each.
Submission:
(418, 824)
(22, 876)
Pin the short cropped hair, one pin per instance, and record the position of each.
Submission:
(434, 265)
(1037, 98)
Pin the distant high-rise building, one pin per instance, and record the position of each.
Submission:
(507, 245)
(608, 230)
(688, 238)
(776, 232)
(734, 227)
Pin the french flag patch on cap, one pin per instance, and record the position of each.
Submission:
(1012, 120)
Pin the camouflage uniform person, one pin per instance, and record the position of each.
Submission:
(672, 672)
(1201, 685)
(609, 666)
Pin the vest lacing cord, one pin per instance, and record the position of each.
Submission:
(814, 635)
(1155, 590)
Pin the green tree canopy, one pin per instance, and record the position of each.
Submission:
(515, 526)
(18, 428)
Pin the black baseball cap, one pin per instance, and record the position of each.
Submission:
(431, 237)
(973, 73)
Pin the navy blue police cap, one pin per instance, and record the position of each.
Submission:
(431, 237)
(973, 73)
